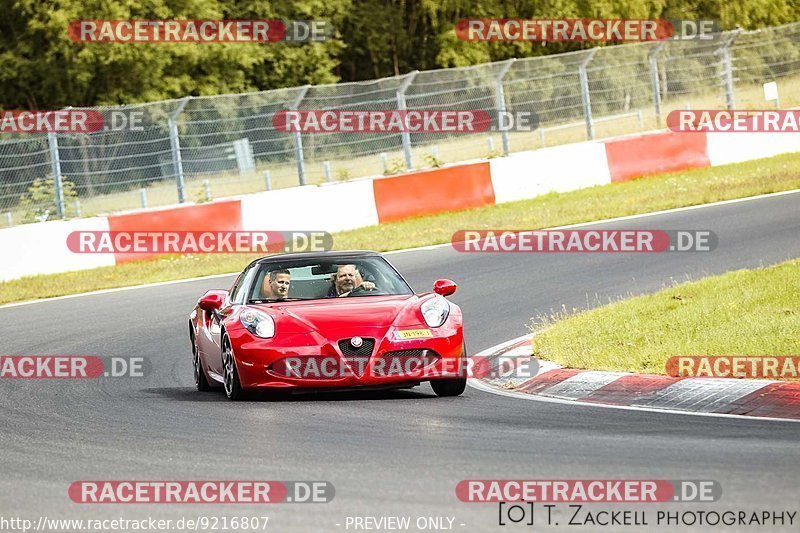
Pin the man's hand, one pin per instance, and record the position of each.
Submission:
(365, 286)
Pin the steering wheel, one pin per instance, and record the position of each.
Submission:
(360, 289)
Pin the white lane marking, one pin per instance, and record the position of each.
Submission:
(582, 384)
(504, 345)
(481, 386)
(418, 248)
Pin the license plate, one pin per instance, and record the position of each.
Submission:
(413, 334)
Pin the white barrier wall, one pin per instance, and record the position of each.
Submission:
(41, 248)
(724, 148)
(334, 207)
(558, 168)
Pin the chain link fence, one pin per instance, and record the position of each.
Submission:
(198, 148)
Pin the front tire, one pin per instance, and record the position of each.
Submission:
(233, 387)
(449, 387)
(452, 387)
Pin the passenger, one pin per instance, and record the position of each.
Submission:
(346, 279)
(276, 285)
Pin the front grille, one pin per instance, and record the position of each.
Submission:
(365, 350)
(357, 358)
(404, 362)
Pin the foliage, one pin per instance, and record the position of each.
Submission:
(491, 154)
(201, 195)
(394, 166)
(41, 68)
(433, 161)
(39, 202)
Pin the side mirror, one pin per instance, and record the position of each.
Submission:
(444, 287)
(212, 300)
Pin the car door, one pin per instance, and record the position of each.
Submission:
(237, 297)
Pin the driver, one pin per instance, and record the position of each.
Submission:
(346, 279)
(276, 286)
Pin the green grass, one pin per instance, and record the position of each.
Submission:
(639, 196)
(746, 312)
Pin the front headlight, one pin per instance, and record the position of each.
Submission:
(435, 311)
(258, 323)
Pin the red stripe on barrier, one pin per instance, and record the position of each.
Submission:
(629, 389)
(224, 215)
(643, 155)
(433, 191)
(778, 400)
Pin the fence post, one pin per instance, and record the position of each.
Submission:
(175, 144)
(143, 197)
(267, 180)
(500, 98)
(727, 69)
(55, 163)
(298, 139)
(401, 106)
(587, 104)
(655, 82)
(327, 166)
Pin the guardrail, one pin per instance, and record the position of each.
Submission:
(106, 170)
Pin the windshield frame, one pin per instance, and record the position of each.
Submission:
(275, 263)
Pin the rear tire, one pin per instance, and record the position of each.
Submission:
(233, 388)
(200, 380)
(449, 387)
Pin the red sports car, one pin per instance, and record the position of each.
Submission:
(326, 320)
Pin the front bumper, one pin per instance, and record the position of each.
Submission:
(310, 360)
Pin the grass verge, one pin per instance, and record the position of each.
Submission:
(639, 196)
(746, 312)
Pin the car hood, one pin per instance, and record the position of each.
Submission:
(363, 315)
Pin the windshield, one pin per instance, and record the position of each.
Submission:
(315, 279)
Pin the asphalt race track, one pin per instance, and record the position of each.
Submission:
(387, 453)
